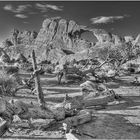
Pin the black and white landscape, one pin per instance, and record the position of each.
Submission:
(69, 70)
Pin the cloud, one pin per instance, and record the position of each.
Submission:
(41, 7)
(22, 8)
(46, 7)
(8, 7)
(32, 13)
(25, 22)
(21, 16)
(17, 9)
(105, 20)
(54, 7)
(45, 16)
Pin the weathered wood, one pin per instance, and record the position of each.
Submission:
(29, 110)
(97, 101)
(42, 123)
(37, 82)
(3, 127)
(82, 117)
(35, 123)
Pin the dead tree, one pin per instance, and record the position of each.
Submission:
(40, 95)
(92, 70)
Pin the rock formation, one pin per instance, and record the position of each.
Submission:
(57, 34)
(19, 43)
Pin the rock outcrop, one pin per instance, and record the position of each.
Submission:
(19, 43)
(57, 34)
(102, 36)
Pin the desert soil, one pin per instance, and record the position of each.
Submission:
(119, 120)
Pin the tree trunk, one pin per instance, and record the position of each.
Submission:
(40, 95)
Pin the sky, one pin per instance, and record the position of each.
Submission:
(121, 18)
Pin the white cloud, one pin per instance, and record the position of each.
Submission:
(25, 22)
(54, 7)
(8, 7)
(46, 7)
(22, 8)
(21, 16)
(41, 7)
(45, 16)
(32, 13)
(105, 20)
(17, 9)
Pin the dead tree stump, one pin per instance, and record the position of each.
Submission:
(40, 95)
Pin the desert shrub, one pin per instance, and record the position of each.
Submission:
(48, 68)
(27, 67)
(11, 70)
(7, 83)
(132, 65)
(7, 43)
(45, 62)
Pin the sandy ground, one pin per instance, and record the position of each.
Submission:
(119, 120)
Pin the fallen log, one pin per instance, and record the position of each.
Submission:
(99, 100)
(42, 123)
(82, 117)
(35, 123)
(96, 94)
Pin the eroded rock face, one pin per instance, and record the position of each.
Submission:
(19, 42)
(117, 39)
(25, 37)
(58, 34)
(102, 36)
